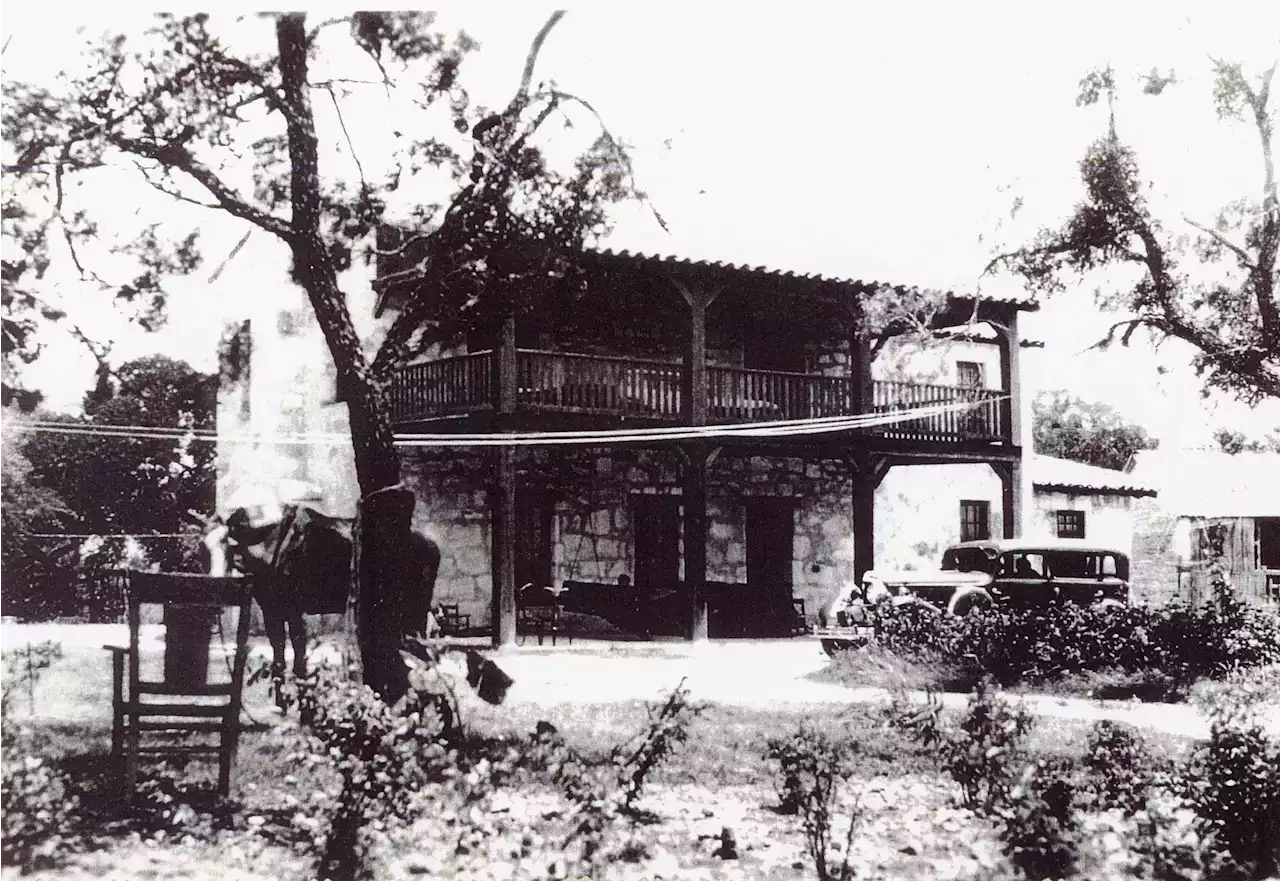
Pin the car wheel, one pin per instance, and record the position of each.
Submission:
(971, 602)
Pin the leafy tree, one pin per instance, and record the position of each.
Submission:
(1233, 442)
(1231, 315)
(27, 508)
(198, 119)
(1096, 434)
(133, 485)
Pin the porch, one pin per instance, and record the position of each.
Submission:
(652, 391)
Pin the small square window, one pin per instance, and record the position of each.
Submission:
(969, 374)
(975, 520)
(1070, 524)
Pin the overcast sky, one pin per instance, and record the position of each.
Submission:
(875, 142)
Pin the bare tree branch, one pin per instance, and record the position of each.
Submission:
(1245, 259)
(180, 158)
(364, 186)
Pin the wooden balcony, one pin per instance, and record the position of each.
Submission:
(561, 382)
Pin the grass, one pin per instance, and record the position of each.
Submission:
(720, 778)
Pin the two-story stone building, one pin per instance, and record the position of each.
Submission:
(713, 534)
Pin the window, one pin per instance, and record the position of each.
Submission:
(975, 521)
(1023, 565)
(1070, 524)
(969, 374)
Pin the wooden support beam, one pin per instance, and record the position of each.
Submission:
(694, 487)
(1011, 379)
(502, 507)
(869, 470)
(860, 363)
(693, 382)
(502, 504)
(1010, 474)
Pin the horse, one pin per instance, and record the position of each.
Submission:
(302, 564)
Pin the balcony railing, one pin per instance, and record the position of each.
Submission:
(445, 387)
(650, 389)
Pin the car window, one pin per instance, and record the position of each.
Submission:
(1071, 564)
(1023, 564)
(1109, 566)
(966, 560)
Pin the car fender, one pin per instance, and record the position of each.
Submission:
(962, 599)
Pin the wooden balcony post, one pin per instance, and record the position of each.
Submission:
(506, 379)
(693, 382)
(1011, 379)
(860, 364)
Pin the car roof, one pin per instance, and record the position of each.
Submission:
(1048, 544)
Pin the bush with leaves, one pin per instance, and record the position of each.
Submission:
(1040, 831)
(1233, 784)
(602, 793)
(39, 809)
(1120, 768)
(382, 755)
(982, 752)
(1160, 651)
(811, 766)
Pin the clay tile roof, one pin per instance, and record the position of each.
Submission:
(1062, 475)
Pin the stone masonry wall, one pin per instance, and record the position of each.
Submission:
(592, 532)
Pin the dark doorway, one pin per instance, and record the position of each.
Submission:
(1268, 539)
(656, 521)
(770, 537)
(533, 544)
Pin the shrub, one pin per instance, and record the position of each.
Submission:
(811, 766)
(1164, 650)
(1120, 768)
(602, 793)
(1233, 784)
(981, 752)
(1040, 831)
(39, 810)
(382, 755)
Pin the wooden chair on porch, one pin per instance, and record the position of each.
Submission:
(147, 713)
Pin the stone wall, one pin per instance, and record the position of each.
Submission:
(592, 529)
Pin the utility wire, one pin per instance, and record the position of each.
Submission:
(781, 428)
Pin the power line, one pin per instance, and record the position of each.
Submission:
(780, 428)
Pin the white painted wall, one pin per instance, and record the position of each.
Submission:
(918, 511)
(1108, 519)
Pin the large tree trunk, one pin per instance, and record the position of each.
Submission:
(382, 535)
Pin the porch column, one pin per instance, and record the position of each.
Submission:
(694, 503)
(502, 494)
(1010, 474)
(869, 471)
(693, 404)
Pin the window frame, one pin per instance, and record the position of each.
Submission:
(1066, 521)
(982, 507)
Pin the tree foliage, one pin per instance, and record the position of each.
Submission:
(28, 507)
(135, 485)
(1233, 442)
(1070, 428)
(1212, 285)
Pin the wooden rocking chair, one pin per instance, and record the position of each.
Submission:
(188, 701)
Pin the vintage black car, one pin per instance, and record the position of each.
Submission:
(980, 574)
